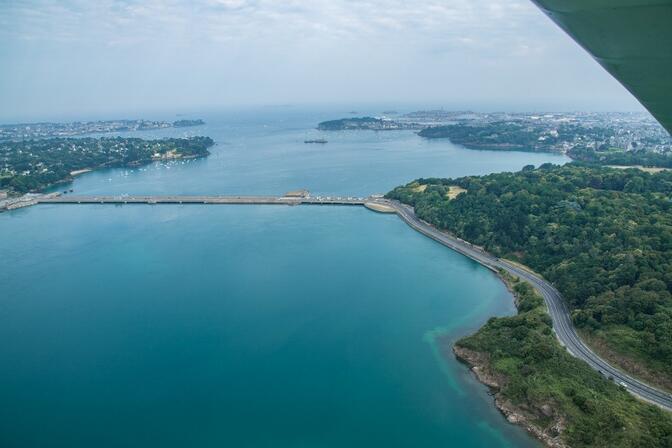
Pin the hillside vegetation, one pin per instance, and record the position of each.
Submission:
(615, 156)
(602, 236)
(517, 135)
(560, 395)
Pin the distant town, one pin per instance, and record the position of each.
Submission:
(543, 132)
(28, 131)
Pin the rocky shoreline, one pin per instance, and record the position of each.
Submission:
(479, 365)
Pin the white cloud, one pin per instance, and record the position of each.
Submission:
(158, 52)
(218, 20)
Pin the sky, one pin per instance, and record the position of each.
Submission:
(124, 58)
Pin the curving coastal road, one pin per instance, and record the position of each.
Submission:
(562, 322)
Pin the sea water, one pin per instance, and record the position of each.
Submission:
(248, 326)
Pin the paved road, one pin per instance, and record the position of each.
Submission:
(562, 322)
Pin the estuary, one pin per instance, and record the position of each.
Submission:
(254, 326)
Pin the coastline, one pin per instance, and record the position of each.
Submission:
(135, 164)
(553, 420)
(555, 309)
(478, 364)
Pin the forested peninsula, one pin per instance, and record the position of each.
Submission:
(604, 238)
(597, 138)
(33, 165)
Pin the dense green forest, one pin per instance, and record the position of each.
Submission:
(602, 236)
(517, 135)
(557, 392)
(350, 123)
(620, 157)
(36, 164)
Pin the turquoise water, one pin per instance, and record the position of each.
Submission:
(247, 326)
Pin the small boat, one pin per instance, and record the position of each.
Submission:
(319, 140)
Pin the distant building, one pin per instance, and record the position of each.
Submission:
(3, 194)
(297, 194)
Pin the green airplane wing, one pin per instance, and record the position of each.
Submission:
(631, 39)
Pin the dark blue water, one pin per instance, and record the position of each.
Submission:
(247, 326)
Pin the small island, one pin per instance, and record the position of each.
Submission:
(187, 123)
(34, 165)
(364, 123)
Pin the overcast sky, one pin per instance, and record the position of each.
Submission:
(76, 57)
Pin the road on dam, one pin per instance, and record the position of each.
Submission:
(201, 199)
(557, 308)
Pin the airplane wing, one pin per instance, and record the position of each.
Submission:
(631, 39)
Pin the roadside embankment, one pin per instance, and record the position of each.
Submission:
(380, 208)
